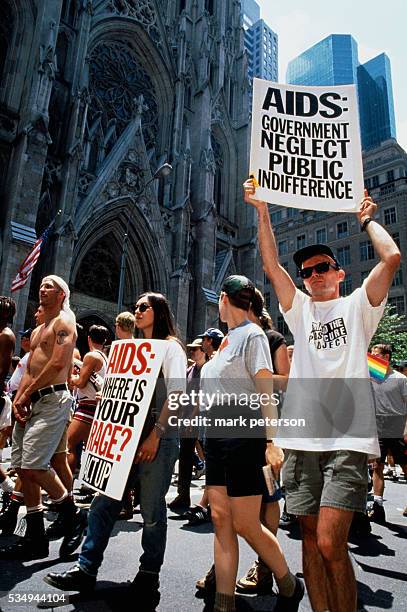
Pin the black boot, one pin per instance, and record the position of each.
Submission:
(146, 587)
(75, 533)
(34, 545)
(75, 579)
(8, 518)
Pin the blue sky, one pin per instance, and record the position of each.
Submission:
(376, 25)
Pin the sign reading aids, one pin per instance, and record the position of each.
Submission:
(305, 146)
(128, 388)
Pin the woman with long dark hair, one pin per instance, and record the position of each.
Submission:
(154, 462)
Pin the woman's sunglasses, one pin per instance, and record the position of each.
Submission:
(142, 307)
(320, 268)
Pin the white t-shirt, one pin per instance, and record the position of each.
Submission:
(331, 339)
(18, 373)
(174, 367)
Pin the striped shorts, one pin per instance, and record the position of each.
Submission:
(85, 411)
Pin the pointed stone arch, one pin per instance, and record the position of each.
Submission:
(145, 265)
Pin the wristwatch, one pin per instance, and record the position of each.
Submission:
(160, 428)
(365, 223)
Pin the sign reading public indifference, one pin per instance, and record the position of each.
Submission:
(305, 146)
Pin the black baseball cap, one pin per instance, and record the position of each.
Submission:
(212, 332)
(309, 251)
(26, 333)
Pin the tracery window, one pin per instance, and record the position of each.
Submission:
(217, 183)
(99, 271)
(116, 78)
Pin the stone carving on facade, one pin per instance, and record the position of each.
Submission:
(142, 11)
(47, 69)
(218, 112)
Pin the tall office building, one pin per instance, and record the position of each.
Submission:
(261, 43)
(334, 61)
(331, 61)
(377, 120)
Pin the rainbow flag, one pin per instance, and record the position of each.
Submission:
(377, 367)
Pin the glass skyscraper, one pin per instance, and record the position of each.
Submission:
(261, 43)
(334, 61)
(377, 120)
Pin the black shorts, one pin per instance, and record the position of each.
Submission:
(236, 464)
(396, 447)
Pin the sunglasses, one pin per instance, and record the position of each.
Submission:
(320, 268)
(142, 307)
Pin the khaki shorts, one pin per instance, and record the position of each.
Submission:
(34, 445)
(336, 479)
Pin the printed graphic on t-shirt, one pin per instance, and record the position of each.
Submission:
(328, 335)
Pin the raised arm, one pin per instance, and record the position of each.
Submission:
(381, 277)
(279, 277)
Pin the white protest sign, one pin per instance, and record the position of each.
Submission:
(305, 146)
(131, 376)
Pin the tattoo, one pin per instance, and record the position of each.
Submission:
(61, 335)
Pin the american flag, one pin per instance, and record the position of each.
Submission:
(29, 262)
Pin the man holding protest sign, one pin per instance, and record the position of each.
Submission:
(325, 474)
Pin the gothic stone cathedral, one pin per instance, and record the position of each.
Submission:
(94, 96)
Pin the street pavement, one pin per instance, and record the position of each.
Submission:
(379, 561)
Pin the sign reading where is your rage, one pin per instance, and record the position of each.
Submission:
(132, 372)
(305, 146)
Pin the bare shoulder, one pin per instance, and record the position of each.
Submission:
(64, 328)
(7, 337)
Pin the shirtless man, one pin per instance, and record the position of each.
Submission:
(7, 346)
(42, 408)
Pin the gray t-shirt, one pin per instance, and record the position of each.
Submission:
(391, 405)
(230, 373)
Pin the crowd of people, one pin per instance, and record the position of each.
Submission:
(48, 404)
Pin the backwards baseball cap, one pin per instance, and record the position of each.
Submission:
(309, 251)
(212, 332)
(26, 333)
(241, 289)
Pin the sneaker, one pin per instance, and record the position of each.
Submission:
(287, 519)
(75, 579)
(208, 582)
(377, 514)
(291, 604)
(259, 579)
(198, 515)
